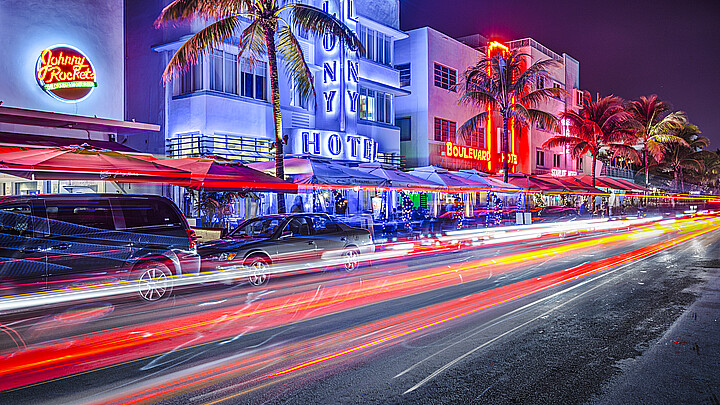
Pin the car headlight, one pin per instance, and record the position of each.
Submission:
(226, 256)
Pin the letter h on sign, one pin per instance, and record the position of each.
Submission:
(307, 141)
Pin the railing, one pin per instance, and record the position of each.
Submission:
(392, 159)
(613, 171)
(533, 43)
(246, 149)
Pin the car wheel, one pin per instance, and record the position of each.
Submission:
(258, 267)
(154, 281)
(351, 260)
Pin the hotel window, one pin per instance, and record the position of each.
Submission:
(444, 130)
(375, 106)
(404, 74)
(476, 139)
(539, 158)
(578, 164)
(253, 82)
(378, 46)
(445, 77)
(223, 72)
(556, 160)
(578, 98)
(296, 99)
(190, 80)
(404, 124)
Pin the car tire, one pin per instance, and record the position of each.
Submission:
(259, 270)
(351, 260)
(154, 280)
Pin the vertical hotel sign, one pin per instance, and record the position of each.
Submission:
(65, 73)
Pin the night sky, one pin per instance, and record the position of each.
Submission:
(628, 48)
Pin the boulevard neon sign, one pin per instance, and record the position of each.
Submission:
(465, 152)
(65, 73)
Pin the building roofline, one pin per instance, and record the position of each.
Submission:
(14, 115)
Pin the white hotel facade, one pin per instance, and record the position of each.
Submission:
(221, 106)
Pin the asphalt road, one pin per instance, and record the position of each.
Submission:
(488, 325)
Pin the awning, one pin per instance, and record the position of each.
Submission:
(18, 141)
(443, 177)
(84, 162)
(217, 174)
(397, 178)
(571, 183)
(320, 172)
(481, 177)
(534, 183)
(38, 118)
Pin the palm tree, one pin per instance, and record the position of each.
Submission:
(653, 128)
(710, 175)
(498, 85)
(689, 156)
(267, 33)
(600, 123)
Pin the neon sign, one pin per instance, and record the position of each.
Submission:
(65, 73)
(562, 173)
(465, 152)
(331, 144)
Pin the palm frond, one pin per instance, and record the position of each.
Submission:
(295, 65)
(319, 23)
(582, 148)
(200, 44)
(544, 119)
(626, 152)
(473, 125)
(252, 44)
(655, 149)
(538, 70)
(538, 96)
(561, 141)
(479, 98)
(181, 11)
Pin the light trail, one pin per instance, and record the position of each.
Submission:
(117, 346)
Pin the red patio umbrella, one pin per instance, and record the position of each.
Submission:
(84, 162)
(218, 174)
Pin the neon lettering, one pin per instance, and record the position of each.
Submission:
(465, 152)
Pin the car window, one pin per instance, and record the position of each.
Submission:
(140, 213)
(323, 225)
(16, 220)
(90, 213)
(256, 228)
(299, 226)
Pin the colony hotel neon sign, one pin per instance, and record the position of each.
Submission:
(335, 145)
(65, 73)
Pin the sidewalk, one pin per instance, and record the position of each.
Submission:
(684, 366)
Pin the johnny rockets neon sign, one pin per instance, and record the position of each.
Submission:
(465, 152)
(65, 73)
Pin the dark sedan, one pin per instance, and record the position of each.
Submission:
(275, 244)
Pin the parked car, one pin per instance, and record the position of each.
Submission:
(60, 241)
(303, 239)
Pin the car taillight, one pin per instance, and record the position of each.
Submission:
(192, 239)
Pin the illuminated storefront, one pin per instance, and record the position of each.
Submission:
(63, 85)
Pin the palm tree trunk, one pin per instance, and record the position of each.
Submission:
(593, 169)
(506, 150)
(682, 181)
(277, 118)
(675, 179)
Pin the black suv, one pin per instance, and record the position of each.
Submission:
(68, 241)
